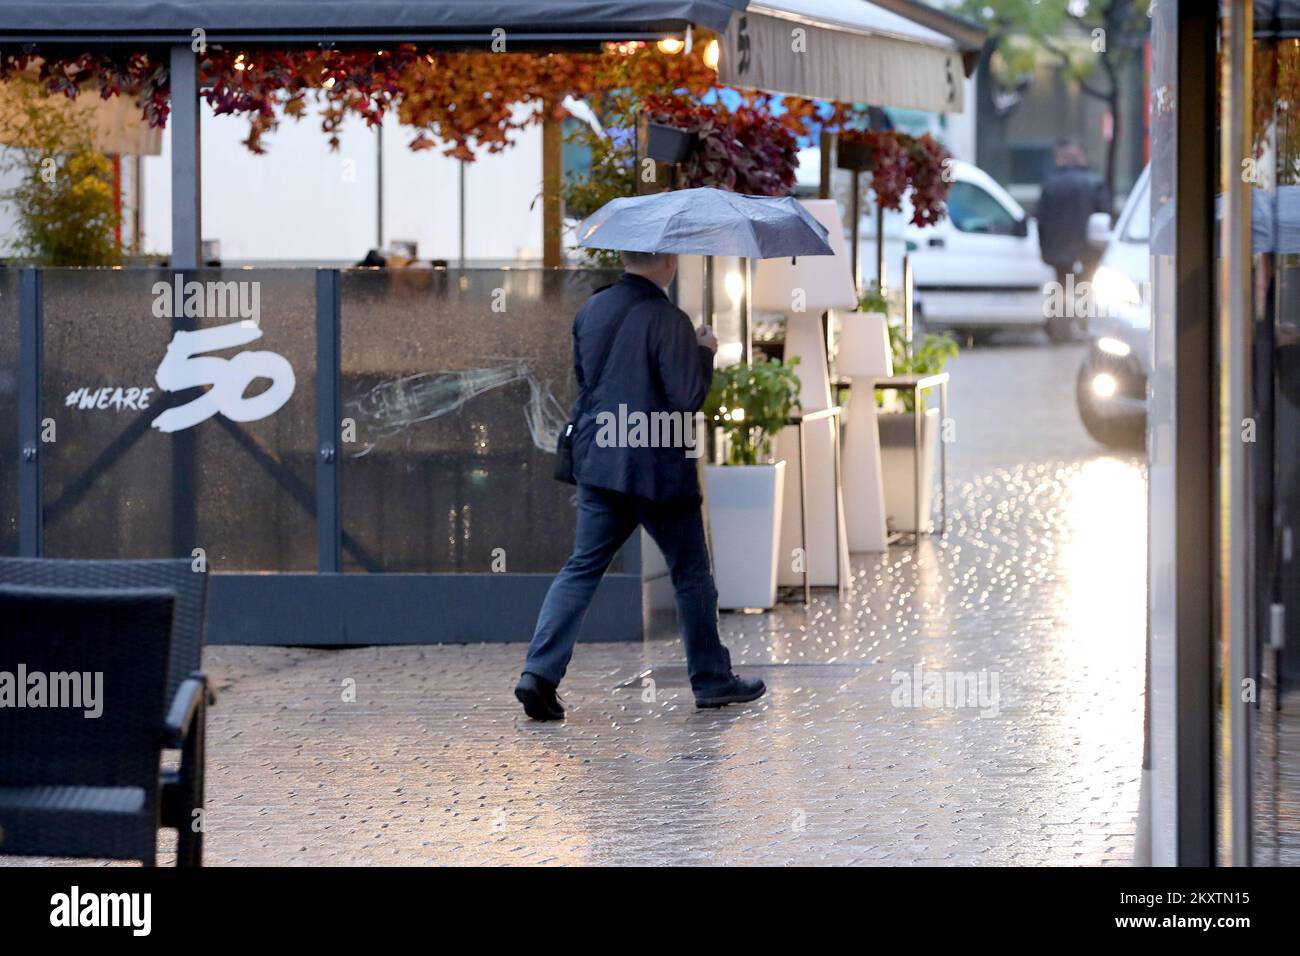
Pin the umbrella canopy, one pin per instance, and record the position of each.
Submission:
(706, 222)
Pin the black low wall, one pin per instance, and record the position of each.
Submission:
(351, 609)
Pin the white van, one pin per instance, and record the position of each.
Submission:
(979, 269)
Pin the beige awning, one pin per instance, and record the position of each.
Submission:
(116, 124)
(119, 126)
(846, 50)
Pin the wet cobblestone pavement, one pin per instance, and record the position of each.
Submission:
(1037, 593)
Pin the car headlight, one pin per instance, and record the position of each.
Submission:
(1113, 346)
(1105, 385)
(1112, 289)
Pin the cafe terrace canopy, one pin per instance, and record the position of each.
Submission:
(308, 21)
(890, 53)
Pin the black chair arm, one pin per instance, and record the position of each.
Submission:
(189, 696)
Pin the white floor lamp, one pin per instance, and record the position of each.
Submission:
(803, 289)
(863, 355)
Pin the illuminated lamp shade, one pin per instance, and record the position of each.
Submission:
(864, 356)
(826, 281)
(802, 289)
(863, 346)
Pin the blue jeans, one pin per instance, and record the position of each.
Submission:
(605, 520)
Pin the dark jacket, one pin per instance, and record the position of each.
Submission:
(655, 366)
(1070, 195)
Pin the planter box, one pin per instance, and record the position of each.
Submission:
(852, 155)
(745, 531)
(667, 144)
(897, 441)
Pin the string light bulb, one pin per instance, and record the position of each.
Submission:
(712, 54)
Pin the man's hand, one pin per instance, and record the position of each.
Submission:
(704, 336)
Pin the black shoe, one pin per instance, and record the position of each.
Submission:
(738, 690)
(538, 697)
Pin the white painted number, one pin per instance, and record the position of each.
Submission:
(228, 378)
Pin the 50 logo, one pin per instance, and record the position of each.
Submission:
(185, 366)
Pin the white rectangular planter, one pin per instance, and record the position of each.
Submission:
(744, 504)
(897, 439)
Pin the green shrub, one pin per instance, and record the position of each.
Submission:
(64, 203)
(750, 404)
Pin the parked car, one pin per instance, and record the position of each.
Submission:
(1112, 380)
(978, 270)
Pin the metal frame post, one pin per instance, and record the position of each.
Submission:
(1195, 430)
(842, 573)
(187, 192)
(803, 512)
(855, 231)
(746, 312)
(708, 305)
(918, 452)
(1236, 525)
(881, 283)
(379, 187)
(31, 358)
(909, 306)
(328, 421)
(943, 457)
(827, 144)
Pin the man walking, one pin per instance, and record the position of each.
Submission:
(635, 352)
(1071, 193)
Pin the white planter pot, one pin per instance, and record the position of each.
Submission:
(897, 441)
(744, 504)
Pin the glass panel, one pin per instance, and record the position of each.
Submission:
(456, 383)
(9, 464)
(1162, 400)
(147, 460)
(1270, 645)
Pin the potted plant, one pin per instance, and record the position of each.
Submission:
(899, 164)
(898, 430)
(748, 405)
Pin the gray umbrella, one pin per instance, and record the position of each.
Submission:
(706, 222)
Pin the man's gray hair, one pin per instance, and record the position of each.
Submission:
(642, 260)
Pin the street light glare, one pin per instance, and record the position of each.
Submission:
(1104, 385)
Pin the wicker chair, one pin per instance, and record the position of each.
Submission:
(186, 687)
(79, 763)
